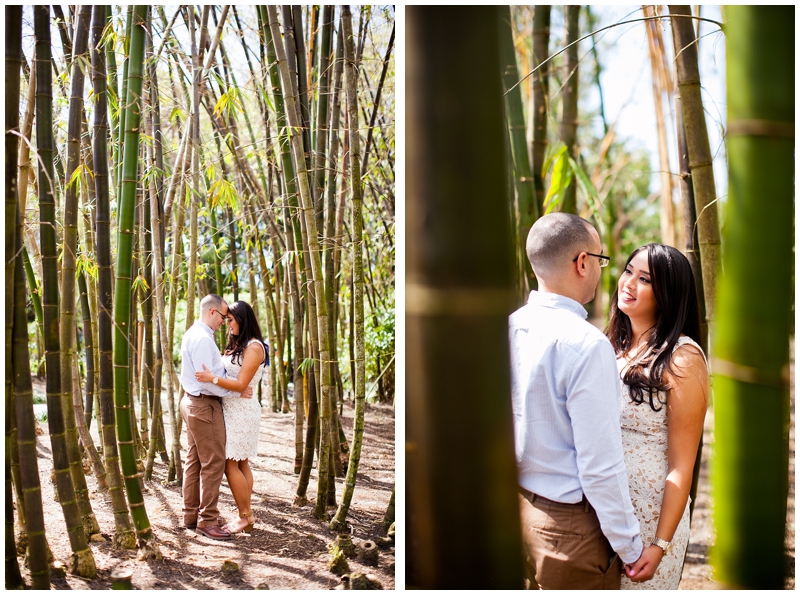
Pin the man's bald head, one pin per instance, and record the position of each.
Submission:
(212, 300)
(554, 240)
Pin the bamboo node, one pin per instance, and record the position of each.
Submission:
(701, 164)
(771, 128)
(750, 375)
(424, 300)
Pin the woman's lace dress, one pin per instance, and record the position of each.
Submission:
(644, 444)
(243, 416)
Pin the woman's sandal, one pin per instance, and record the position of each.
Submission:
(244, 524)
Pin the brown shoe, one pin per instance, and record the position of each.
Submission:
(214, 532)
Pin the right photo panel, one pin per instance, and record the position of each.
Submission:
(599, 297)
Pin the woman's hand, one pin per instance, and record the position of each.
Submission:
(645, 567)
(205, 376)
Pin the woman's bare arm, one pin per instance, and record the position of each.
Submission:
(687, 401)
(252, 358)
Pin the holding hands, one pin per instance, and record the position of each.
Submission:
(645, 567)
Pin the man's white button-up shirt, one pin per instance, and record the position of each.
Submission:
(566, 401)
(198, 348)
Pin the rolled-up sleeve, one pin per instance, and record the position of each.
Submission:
(593, 405)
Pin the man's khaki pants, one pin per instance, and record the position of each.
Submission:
(565, 547)
(205, 460)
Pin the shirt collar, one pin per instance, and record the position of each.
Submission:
(204, 327)
(555, 300)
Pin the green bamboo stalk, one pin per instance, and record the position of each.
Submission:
(455, 302)
(124, 537)
(751, 363)
(294, 243)
(294, 42)
(322, 120)
(81, 561)
(332, 250)
(527, 211)
(307, 199)
(339, 522)
(330, 244)
(122, 296)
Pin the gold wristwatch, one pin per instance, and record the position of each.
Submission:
(663, 544)
(216, 381)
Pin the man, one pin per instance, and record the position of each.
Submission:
(205, 428)
(575, 507)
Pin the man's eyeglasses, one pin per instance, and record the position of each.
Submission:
(604, 260)
(225, 317)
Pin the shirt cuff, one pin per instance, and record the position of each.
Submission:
(631, 553)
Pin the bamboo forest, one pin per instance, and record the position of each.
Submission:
(669, 128)
(180, 179)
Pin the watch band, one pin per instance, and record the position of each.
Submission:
(663, 544)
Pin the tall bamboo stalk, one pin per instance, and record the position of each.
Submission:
(68, 260)
(527, 210)
(700, 159)
(81, 561)
(568, 129)
(124, 537)
(175, 459)
(122, 296)
(38, 550)
(662, 85)
(339, 522)
(81, 415)
(293, 115)
(194, 196)
(13, 68)
(454, 302)
(756, 295)
(296, 271)
(24, 147)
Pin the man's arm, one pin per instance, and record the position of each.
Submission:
(593, 403)
(205, 352)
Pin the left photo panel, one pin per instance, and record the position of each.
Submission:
(200, 297)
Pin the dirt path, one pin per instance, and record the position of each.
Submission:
(286, 550)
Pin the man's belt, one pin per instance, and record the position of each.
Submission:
(202, 396)
(531, 497)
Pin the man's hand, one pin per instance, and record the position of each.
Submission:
(247, 392)
(645, 567)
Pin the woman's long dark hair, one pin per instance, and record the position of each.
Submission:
(676, 297)
(248, 330)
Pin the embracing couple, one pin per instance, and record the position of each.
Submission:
(222, 416)
(606, 426)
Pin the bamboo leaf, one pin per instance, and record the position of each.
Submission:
(592, 197)
(306, 364)
(560, 180)
(177, 115)
(553, 152)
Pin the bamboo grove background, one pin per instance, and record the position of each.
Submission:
(523, 82)
(157, 154)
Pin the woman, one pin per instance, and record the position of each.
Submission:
(244, 356)
(655, 331)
